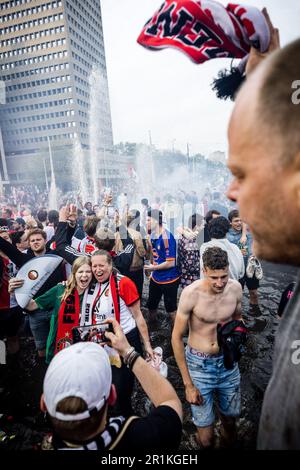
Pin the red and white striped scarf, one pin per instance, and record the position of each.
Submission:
(205, 29)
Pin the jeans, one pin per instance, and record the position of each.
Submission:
(211, 378)
(39, 321)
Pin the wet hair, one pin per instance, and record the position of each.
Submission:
(233, 214)
(218, 227)
(276, 112)
(90, 225)
(104, 239)
(156, 215)
(37, 231)
(209, 215)
(195, 219)
(80, 430)
(103, 253)
(215, 258)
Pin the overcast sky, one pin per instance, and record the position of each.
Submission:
(164, 92)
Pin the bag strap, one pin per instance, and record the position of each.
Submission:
(117, 291)
(125, 427)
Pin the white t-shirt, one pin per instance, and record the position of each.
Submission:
(128, 296)
(235, 257)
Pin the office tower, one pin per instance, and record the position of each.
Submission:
(48, 50)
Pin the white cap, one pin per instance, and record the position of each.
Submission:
(82, 370)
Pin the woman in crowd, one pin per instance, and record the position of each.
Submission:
(84, 301)
(189, 243)
(66, 302)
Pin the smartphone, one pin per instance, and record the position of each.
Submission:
(93, 333)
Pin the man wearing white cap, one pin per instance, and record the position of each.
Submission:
(78, 390)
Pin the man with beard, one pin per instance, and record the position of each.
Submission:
(264, 158)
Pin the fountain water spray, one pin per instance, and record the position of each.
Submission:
(53, 204)
(80, 170)
(98, 105)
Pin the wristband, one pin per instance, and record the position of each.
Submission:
(132, 360)
(127, 354)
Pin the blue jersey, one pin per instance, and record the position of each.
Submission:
(164, 249)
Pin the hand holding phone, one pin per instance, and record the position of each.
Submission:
(93, 333)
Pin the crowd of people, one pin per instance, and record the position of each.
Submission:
(108, 251)
(206, 254)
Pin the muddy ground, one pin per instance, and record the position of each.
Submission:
(21, 382)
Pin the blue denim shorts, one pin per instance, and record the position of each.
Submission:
(39, 321)
(212, 379)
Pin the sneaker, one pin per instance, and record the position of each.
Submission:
(251, 265)
(258, 272)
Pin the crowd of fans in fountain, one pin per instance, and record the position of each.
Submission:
(116, 234)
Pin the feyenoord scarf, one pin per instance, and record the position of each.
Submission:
(93, 294)
(205, 29)
(69, 312)
(68, 317)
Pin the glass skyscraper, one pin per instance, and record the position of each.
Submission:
(48, 50)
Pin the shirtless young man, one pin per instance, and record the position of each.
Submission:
(205, 303)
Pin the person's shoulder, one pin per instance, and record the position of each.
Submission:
(124, 281)
(232, 233)
(191, 292)
(161, 429)
(194, 287)
(60, 288)
(234, 286)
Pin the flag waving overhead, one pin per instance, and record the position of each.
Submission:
(205, 29)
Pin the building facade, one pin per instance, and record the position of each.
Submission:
(48, 51)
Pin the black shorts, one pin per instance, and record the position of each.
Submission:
(11, 320)
(169, 291)
(251, 282)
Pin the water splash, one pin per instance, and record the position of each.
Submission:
(53, 195)
(98, 107)
(80, 170)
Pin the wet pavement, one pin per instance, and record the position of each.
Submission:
(24, 426)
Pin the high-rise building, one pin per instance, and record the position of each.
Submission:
(48, 50)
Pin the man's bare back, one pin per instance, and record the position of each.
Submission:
(207, 309)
